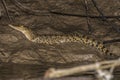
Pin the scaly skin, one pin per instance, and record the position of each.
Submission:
(58, 39)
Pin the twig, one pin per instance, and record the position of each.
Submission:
(114, 26)
(28, 10)
(82, 15)
(111, 41)
(100, 12)
(53, 73)
(87, 18)
(5, 6)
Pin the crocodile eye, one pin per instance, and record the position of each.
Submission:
(110, 54)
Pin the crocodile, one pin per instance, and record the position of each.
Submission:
(58, 39)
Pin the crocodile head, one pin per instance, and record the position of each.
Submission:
(27, 32)
(19, 28)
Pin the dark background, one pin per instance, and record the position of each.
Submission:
(21, 59)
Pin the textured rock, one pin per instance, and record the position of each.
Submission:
(25, 58)
(115, 48)
(8, 38)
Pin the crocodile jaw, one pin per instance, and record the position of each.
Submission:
(28, 34)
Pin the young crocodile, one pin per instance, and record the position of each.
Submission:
(58, 39)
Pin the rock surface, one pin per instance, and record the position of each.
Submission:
(22, 59)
